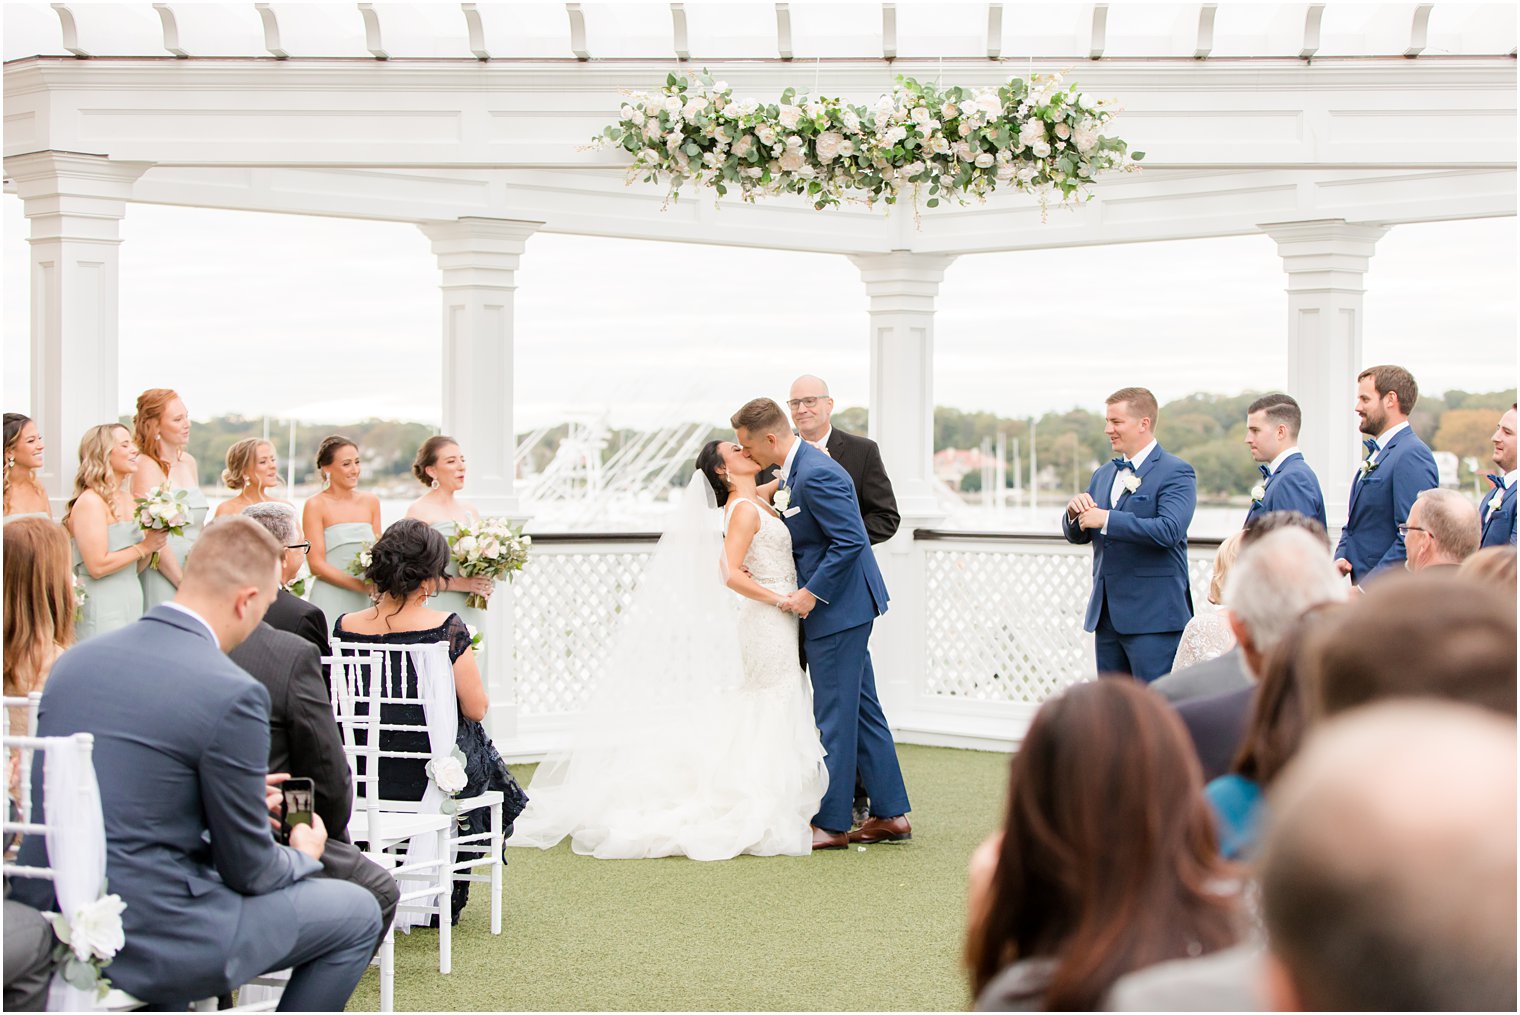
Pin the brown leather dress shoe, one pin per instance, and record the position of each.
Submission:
(825, 839)
(883, 830)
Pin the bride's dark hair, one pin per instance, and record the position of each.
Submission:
(709, 461)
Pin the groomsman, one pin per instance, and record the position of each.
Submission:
(1396, 466)
(1136, 513)
(1499, 502)
(1287, 482)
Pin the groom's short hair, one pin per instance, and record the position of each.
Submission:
(759, 415)
(1140, 401)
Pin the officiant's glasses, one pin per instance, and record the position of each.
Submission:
(809, 401)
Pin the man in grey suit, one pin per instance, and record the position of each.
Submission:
(181, 755)
(29, 962)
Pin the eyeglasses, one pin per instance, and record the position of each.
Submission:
(1406, 528)
(303, 547)
(809, 401)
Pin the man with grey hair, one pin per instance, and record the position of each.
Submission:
(1275, 581)
(1388, 873)
(290, 612)
(1442, 530)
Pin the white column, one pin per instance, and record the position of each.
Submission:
(902, 287)
(1326, 261)
(479, 259)
(75, 204)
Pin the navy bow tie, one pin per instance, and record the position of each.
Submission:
(1125, 463)
(1266, 472)
(1369, 446)
(1498, 481)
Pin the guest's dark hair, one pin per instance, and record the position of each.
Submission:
(427, 456)
(406, 556)
(328, 449)
(1280, 706)
(709, 461)
(1260, 525)
(1109, 861)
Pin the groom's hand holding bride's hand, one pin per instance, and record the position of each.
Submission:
(800, 602)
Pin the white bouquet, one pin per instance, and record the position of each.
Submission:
(359, 566)
(163, 510)
(87, 942)
(488, 548)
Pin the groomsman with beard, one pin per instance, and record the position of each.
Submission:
(1136, 514)
(1396, 466)
(1499, 502)
(1287, 482)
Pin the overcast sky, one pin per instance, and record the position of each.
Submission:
(332, 320)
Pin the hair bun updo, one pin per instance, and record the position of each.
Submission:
(406, 556)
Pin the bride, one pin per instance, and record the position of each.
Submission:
(700, 739)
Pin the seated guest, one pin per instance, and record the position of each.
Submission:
(1273, 731)
(1388, 867)
(39, 607)
(29, 944)
(181, 749)
(1494, 564)
(1442, 530)
(304, 741)
(290, 612)
(1273, 583)
(1424, 636)
(1106, 862)
(1208, 635)
(409, 563)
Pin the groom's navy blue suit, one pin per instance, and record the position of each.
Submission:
(835, 563)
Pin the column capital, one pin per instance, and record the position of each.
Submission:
(901, 280)
(70, 196)
(1325, 253)
(479, 251)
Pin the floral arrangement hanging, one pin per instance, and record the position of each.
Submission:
(952, 143)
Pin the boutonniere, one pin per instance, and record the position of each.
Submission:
(1496, 500)
(1258, 493)
(1370, 463)
(1131, 482)
(782, 499)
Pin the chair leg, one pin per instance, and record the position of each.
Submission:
(496, 868)
(445, 905)
(388, 972)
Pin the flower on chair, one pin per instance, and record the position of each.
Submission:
(449, 776)
(88, 941)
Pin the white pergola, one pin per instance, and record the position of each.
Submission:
(1321, 125)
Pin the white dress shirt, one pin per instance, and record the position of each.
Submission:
(1276, 463)
(822, 443)
(1387, 435)
(785, 472)
(198, 618)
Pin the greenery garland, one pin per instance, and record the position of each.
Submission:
(954, 143)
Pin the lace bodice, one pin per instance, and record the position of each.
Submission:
(770, 553)
(1207, 636)
(767, 636)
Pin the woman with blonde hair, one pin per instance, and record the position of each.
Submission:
(24, 496)
(252, 468)
(109, 547)
(161, 431)
(1208, 635)
(39, 606)
(339, 522)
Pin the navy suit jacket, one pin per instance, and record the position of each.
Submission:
(1499, 526)
(181, 751)
(1293, 487)
(1140, 566)
(830, 546)
(1380, 503)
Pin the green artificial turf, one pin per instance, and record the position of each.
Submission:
(873, 929)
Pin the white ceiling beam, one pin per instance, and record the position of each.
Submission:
(372, 32)
(1098, 35)
(1311, 31)
(784, 31)
(271, 31)
(476, 32)
(1205, 31)
(70, 30)
(1419, 31)
(578, 32)
(678, 31)
(889, 31)
(994, 31)
(171, 31)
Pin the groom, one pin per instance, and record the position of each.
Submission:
(841, 594)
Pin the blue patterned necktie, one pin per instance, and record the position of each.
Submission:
(1266, 472)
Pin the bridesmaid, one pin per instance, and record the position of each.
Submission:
(338, 521)
(439, 466)
(109, 548)
(161, 431)
(252, 468)
(24, 495)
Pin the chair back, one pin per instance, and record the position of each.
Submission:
(31, 703)
(367, 683)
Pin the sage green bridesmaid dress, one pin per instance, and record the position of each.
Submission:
(117, 599)
(453, 602)
(343, 541)
(156, 588)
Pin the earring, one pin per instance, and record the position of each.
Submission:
(326, 480)
(433, 485)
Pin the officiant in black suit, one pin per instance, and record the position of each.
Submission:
(811, 407)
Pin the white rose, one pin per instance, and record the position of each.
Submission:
(814, 110)
(753, 172)
(652, 130)
(920, 115)
(962, 151)
(95, 929)
(896, 134)
(626, 112)
(464, 546)
(1062, 130)
(1032, 130)
(694, 107)
(720, 86)
(984, 161)
(1026, 173)
(850, 120)
(966, 129)
(939, 144)
(1005, 171)
(846, 149)
(789, 116)
(1085, 137)
(948, 110)
(637, 119)
(744, 145)
(448, 774)
(827, 145)
(1258, 492)
(672, 104)
(490, 548)
(766, 133)
(883, 108)
(989, 103)
(1041, 150)
(912, 169)
(1085, 101)
(792, 160)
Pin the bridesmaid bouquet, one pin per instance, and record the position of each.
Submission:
(163, 510)
(359, 566)
(488, 548)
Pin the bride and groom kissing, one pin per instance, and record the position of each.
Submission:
(704, 737)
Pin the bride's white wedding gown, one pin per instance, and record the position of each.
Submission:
(692, 746)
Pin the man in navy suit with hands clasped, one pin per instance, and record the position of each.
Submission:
(1136, 514)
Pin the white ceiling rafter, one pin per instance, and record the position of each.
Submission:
(577, 32)
(1098, 34)
(271, 26)
(70, 30)
(171, 31)
(994, 31)
(372, 32)
(679, 39)
(1205, 46)
(476, 32)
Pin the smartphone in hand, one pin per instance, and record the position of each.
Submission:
(297, 802)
